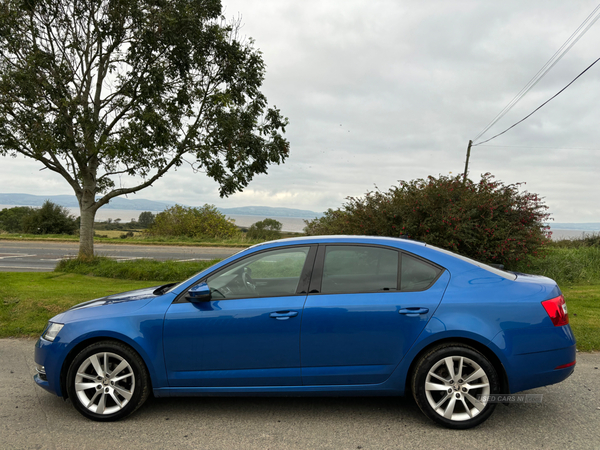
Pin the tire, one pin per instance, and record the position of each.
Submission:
(107, 381)
(446, 384)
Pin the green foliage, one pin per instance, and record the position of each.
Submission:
(204, 222)
(12, 219)
(575, 265)
(586, 240)
(487, 221)
(141, 269)
(49, 219)
(267, 230)
(103, 91)
(146, 219)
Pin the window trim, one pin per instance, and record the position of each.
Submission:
(303, 283)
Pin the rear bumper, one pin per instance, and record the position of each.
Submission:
(534, 360)
(544, 366)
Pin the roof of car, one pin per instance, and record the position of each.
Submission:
(354, 239)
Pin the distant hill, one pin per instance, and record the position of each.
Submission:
(269, 211)
(70, 201)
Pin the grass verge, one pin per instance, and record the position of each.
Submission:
(28, 299)
(583, 303)
(139, 270)
(566, 265)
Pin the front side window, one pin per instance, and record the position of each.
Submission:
(266, 274)
(349, 269)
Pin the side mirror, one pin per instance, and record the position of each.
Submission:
(199, 293)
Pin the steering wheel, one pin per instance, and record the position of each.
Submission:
(248, 282)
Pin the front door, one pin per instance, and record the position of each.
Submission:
(248, 334)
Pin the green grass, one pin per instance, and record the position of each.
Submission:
(567, 265)
(139, 270)
(583, 303)
(28, 300)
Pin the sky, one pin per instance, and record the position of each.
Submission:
(378, 91)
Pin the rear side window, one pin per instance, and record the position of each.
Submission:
(416, 274)
(349, 269)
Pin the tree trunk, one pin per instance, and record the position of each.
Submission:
(87, 211)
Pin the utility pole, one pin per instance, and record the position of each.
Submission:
(467, 161)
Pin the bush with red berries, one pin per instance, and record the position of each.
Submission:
(486, 220)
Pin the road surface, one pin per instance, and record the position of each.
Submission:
(41, 256)
(30, 418)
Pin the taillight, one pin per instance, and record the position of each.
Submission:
(557, 310)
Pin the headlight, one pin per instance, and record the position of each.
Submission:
(51, 331)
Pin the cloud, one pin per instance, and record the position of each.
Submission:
(388, 90)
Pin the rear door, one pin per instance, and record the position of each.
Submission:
(365, 308)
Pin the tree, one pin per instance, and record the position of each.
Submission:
(204, 222)
(50, 219)
(485, 220)
(12, 219)
(266, 229)
(146, 219)
(103, 90)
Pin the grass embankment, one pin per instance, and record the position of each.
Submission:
(567, 265)
(28, 300)
(138, 270)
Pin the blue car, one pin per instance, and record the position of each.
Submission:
(332, 315)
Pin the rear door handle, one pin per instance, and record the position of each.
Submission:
(413, 312)
(283, 315)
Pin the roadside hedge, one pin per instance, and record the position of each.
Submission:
(486, 220)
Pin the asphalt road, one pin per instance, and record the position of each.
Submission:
(30, 418)
(36, 256)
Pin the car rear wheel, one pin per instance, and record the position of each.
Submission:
(451, 384)
(107, 381)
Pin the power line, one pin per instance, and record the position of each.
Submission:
(542, 148)
(577, 34)
(539, 107)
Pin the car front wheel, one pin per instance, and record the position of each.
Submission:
(107, 381)
(451, 384)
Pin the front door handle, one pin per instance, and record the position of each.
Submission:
(413, 312)
(283, 315)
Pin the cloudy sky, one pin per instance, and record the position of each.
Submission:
(378, 91)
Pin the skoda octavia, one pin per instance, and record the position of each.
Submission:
(341, 315)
